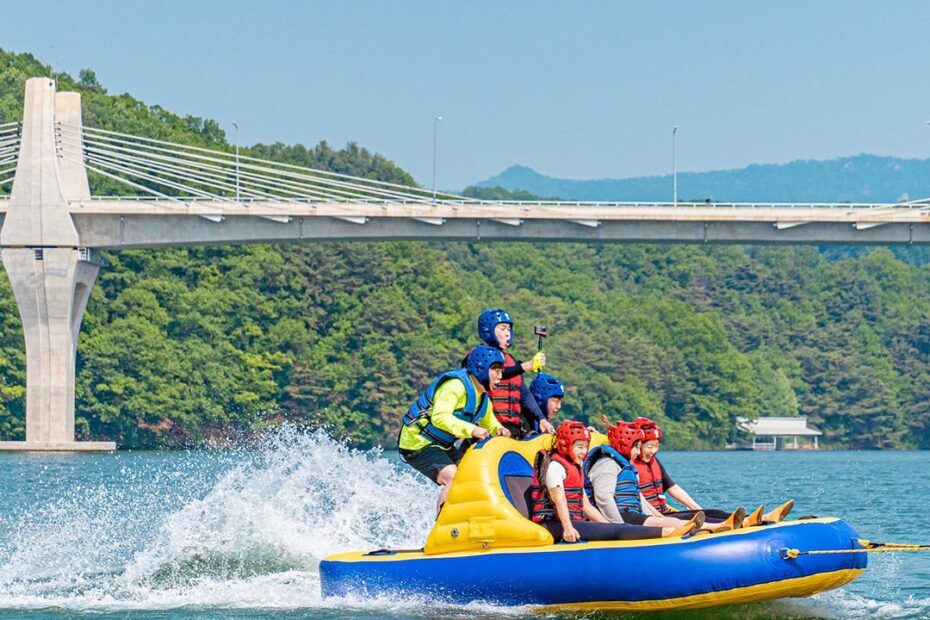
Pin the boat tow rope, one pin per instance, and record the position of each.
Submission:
(867, 547)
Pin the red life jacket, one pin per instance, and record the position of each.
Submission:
(543, 507)
(650, 483)
(505, 398)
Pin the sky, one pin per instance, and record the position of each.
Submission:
(572, 89)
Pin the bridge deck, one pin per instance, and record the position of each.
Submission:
(617, 211)
(130, 222)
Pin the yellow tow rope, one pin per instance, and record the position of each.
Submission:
(867, 547)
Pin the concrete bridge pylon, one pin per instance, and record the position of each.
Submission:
(51, 275)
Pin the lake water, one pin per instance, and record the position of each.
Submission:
(239, 534)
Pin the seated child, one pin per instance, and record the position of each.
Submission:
(559, 501)
(654, 482)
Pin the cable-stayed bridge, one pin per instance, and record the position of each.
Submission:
(51, 224)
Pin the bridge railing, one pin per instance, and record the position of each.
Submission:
(526, 205)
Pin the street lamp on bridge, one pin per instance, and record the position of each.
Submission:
(236, 125)
(674, 168)
(436, 122)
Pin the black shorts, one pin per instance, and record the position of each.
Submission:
(431, 460)
(633, 518)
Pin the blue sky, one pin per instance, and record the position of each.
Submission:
(572, 89)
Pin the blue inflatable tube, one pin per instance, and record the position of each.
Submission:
(732, 567)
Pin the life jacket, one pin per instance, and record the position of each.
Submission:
(506, 396)
(543, 507)
(650, 483)
(626, 491)
(420, 413)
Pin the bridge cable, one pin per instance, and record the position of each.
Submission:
(335, 194)
(287, 173)
(214, 180)
(247, 177)
(129, 170)
(138, 186)
(146, 177)
(102, 156)
(368, 183)
(171, 171)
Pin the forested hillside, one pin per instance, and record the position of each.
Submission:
(183, 346)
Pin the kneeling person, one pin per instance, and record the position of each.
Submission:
(548, 393)
(453, 410)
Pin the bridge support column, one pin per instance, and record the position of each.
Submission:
(52, 286)
(51, 274)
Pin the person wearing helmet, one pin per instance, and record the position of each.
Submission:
(513, 405)
(654, 482)
(548, 393)
(615, 484)
(559, 502)
(452, 411)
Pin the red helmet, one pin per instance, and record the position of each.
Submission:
(623, 435)
(567, 434)
(650, 429)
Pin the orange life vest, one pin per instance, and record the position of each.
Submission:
(650, 483)
(543, 507)
(505, 398)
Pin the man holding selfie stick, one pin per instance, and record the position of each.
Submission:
(514, 407)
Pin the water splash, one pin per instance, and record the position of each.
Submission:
(297, 501)
(254, 539)
(245, 530)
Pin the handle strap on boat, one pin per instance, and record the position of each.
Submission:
(867, 547)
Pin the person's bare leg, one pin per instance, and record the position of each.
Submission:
(671, 522)
(445, 477)
(689, 527)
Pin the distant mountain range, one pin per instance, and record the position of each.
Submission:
(861, 178)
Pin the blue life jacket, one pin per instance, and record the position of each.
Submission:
(626, 493)
(421, 411)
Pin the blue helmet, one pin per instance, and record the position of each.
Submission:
(479, 362)
(545, 387)
(488, 320)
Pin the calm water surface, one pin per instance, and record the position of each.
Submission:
(240, 534)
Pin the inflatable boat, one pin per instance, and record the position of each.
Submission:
(484, 548)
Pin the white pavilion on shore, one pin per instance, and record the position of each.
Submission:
(766, 432)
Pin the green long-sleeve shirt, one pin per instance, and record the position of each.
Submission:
(450, 397)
